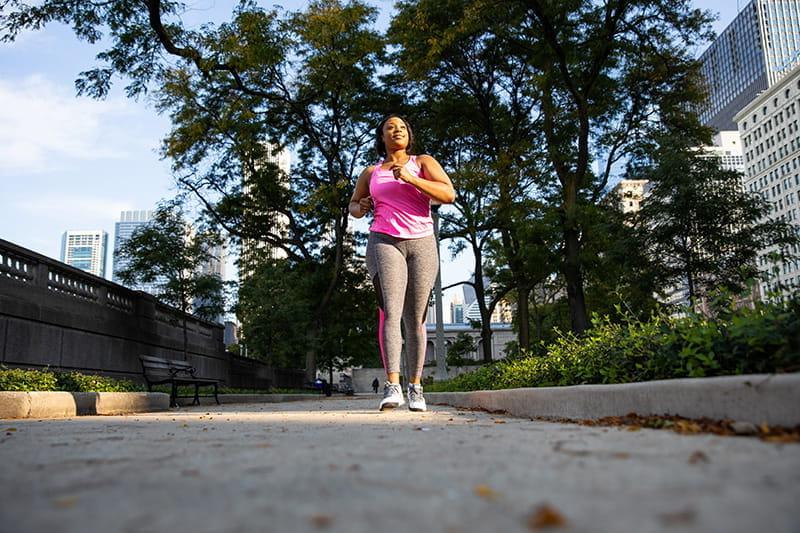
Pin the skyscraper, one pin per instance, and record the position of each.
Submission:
(129, 221)
(770, 130)
(757, 49)
(253, 249)
(86, 250)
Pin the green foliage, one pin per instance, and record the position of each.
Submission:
(277, 306)
(21, 379)
(463, 345)
(18, 379)
(77, 382)
(701, 227)
(168, 252)
(736, 341)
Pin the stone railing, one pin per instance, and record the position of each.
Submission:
(52, 314)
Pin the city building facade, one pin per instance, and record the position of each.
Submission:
(754, 52)
(86, 250)
(769, 127)
(129, 221)
(251, 249)
(629, 194)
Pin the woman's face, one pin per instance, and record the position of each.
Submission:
(395, 134)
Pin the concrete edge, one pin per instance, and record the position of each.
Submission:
(59, 404)
(756, 398)
(271, 398)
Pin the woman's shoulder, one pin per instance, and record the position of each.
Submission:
(424, 158)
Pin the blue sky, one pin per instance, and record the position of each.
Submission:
(75, 163)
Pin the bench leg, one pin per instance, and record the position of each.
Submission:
(173, 397)
(196, 400)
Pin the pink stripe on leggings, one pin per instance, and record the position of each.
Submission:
(381, 326)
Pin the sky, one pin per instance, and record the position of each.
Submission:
(72, 163)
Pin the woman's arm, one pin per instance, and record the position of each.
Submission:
(360, 202)
(436, 183)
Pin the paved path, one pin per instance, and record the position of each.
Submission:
(339, 465)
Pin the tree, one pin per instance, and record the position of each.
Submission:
(307, 79)
(609, 70)
(472, 91)
(703, 228)
(167, 252)
(461, 347)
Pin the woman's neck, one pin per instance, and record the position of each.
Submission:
(397, 156)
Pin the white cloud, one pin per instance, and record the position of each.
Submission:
(43, 125)
(86, 211)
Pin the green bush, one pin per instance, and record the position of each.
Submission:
(25, 380)
(18, 379)
(77, 382)
(736, 341)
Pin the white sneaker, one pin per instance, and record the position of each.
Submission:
(392, 396)
(416, 401)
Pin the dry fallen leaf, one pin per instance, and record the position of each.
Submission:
(65, 502)
(679, 518)
(499, 421)
(322, 521)
(545, 516)
(698, 457)
(485, 492)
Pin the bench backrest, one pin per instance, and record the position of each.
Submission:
(157, 367)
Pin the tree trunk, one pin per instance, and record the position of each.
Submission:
(486, 341)
(185, 339)
(523, 318)
(480, 294)
(574, 279)
(311, 365)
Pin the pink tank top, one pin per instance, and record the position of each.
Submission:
(400, 209)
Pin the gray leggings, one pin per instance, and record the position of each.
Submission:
(403, 272)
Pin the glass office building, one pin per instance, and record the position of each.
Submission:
(86, 250)
(129, 221)
(754, 52)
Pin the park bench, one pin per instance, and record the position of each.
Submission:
(159, 371)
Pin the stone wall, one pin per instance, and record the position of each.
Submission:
(54, 315)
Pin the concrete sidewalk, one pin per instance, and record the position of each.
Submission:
(340, 465)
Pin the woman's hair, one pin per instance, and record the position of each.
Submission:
(380, 147)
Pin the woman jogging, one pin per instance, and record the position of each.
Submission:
(402, 257)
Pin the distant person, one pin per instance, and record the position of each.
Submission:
(402, 257)
(375, 384)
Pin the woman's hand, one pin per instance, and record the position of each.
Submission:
(365, 205)
(401, 173)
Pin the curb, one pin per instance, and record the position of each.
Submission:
(265, 398)
(69, 404)
(757, 398)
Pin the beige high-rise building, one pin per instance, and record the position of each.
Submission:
(630, 194)
(770, 130)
